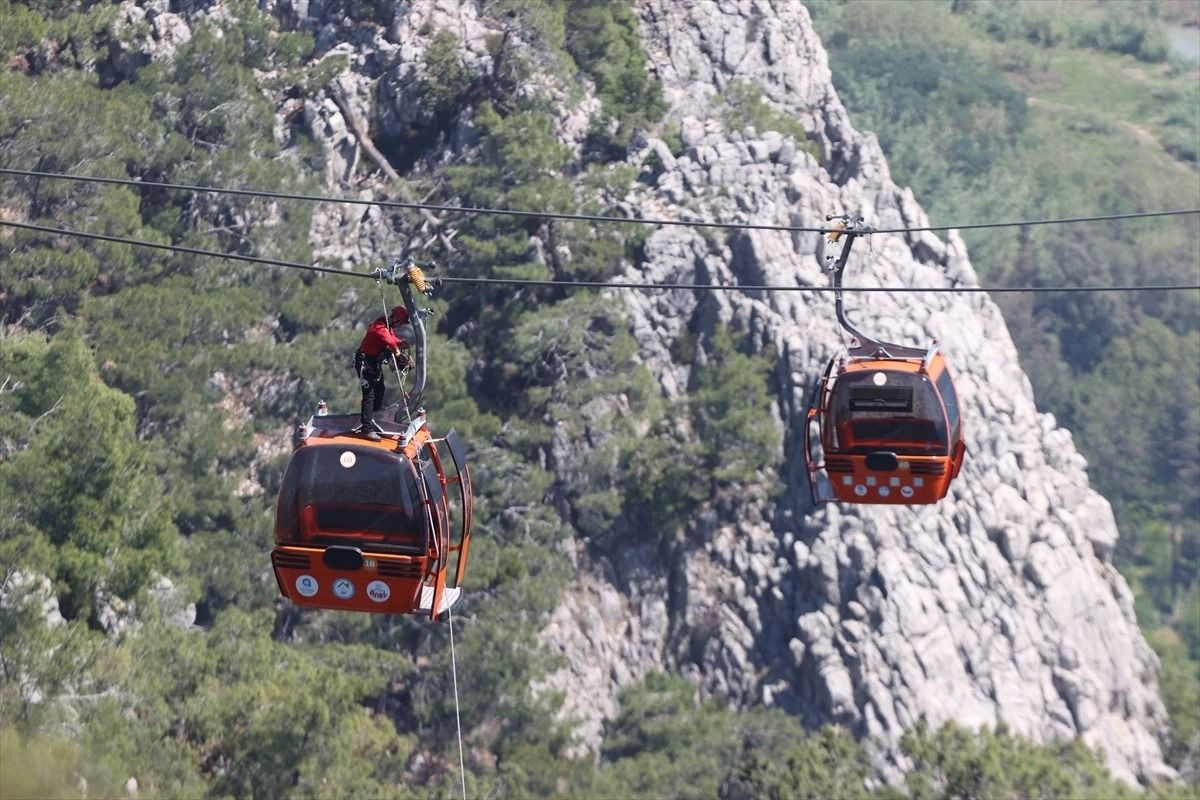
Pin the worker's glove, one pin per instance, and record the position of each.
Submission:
(403, 360)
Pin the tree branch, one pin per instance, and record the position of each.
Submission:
(360, 133)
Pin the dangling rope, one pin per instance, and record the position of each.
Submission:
(462, 769)
(387, 320)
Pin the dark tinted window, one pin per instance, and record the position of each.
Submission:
(343, 494)
(946, 387)
(340, 474)
(878, 409)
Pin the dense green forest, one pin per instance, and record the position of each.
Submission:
(129, 485)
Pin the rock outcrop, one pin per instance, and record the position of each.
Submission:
(998, 604)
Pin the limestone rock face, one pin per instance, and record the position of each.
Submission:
(31, 591)
(148, 31)
(997, 604)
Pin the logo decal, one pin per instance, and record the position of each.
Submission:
(378, 591)
(343, 588)
(306, 585)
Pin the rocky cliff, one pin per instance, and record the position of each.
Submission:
(999, 604)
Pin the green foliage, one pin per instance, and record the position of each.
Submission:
(731, 407)
(665, 742)
(38, 660)
(531, 39)
(664, 484)
(100, 509)
(926, 100)
(954, 762)
(40, 273)
(543, 22)
(522, 165)
(744, 105)
(574, 369)
(1137, 413)
(50, 766)
(1120, 27)
(1179, 681)
(39, 35)
(827, 763)
(603, 39)
(446, 77)
(674, 467)
(521, 162)
(444, 91)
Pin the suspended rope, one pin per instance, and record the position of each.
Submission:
(597, 218)
(271, 262)
(462, 769)
(387, 320)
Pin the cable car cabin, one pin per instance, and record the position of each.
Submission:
(374, 526)
(889, 427)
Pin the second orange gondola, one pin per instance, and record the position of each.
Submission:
(886, 417)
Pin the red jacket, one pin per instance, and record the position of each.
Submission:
(379, 339)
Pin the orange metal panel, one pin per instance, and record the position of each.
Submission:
(386, 584)
(917, 480)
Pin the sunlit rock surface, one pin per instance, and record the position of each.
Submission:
(998, 604)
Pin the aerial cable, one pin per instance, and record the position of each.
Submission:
(705, 287)
(271, 262)
(175, 248)
(597, 218)
(462, 769)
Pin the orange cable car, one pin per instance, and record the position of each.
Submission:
(887, 417)
(375, 526)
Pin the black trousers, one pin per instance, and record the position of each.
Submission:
(370, 378)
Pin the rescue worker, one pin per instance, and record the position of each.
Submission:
(386, 338)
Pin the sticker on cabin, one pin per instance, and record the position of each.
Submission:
(347, 460)
(343, 588)
(378, 591)
(307, 585)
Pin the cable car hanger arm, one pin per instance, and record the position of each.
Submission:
(851, 228)
(409, 273)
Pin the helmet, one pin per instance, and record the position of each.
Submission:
(398, 315)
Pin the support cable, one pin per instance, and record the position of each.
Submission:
(462, 769)
(597, 218)
(271, 262)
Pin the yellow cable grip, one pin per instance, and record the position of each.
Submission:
(417, 278)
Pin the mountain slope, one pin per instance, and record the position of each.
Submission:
(997, 605)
